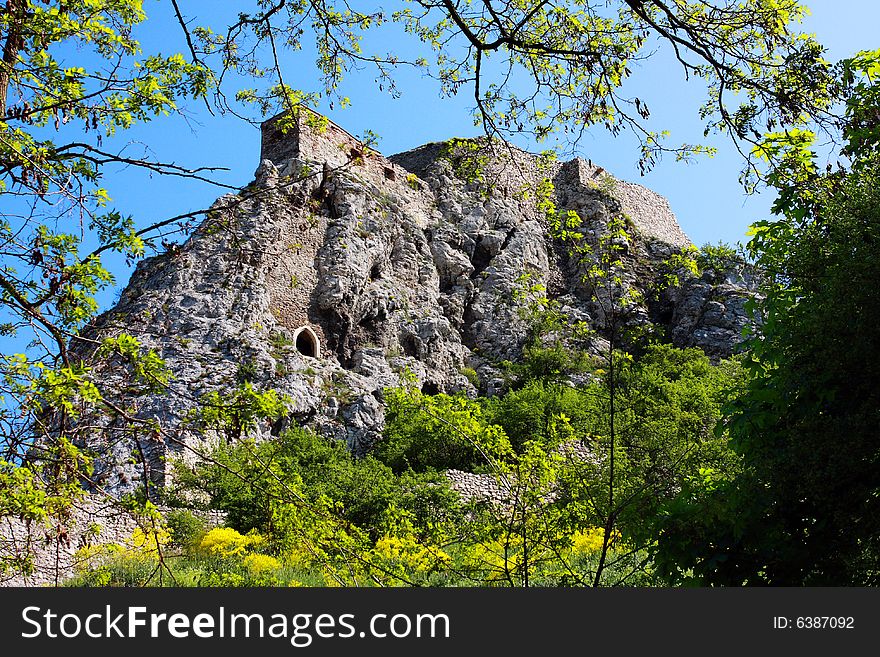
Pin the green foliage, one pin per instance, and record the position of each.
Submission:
(234, 413)
(804, 508)
(471, 375)
(186, 529)
(36, 493)
(607, 184)
(147, 368)
(666, 406)
(38, 91)
(717, 258)
(220, 557)
(667, 403)
(544, 202)
(808, 420)
(554, 347)
(246, 372)
(469, 158)
(413, 181)
(859, 76)
(529, 414)
(571, 62)
(645, 421)
(681, 263)
(439, 432)
(57, 229)
(551, 360)
(239, 480)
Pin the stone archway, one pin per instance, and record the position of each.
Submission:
(307, 342)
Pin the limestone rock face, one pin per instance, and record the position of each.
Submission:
(392, 265)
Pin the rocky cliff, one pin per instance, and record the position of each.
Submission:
(337, 269)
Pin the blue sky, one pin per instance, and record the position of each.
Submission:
(706, 196)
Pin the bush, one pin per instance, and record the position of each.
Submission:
(471, 375)
(226, 542)
(430, 432)
(717, 258)
(186, 529)
(527, 414)
(248, 481)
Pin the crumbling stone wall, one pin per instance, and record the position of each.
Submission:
(54, 549)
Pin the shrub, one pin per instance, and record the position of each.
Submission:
(226, 542)
(716, 258)
(186, 529)
(311, 470)
(430, 432)
(471, 375)
(260, 564)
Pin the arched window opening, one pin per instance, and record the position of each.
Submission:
(307, 342)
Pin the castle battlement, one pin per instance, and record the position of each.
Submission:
(307, 135)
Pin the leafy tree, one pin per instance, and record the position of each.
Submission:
(53, 118)
(616, 305)
(438, 432)
(50, 274)
(527, 413)
(804, 509)
(571, 60)
(717, 259)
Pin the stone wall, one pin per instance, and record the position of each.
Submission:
(473, 487)
(53, 549)
(477, 487)
(308, 136)
(648, 211)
